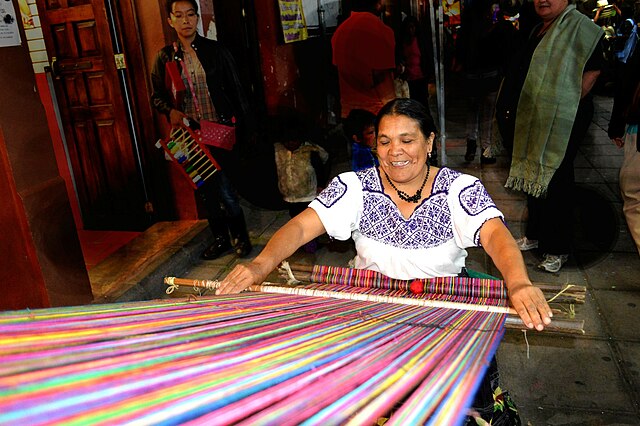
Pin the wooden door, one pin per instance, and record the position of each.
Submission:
(103, 157)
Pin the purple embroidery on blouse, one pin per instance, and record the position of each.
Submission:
(429, 225)
(475, 199)
(443, 180)
(370, 179)
(332, 193)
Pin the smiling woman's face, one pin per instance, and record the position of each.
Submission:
(549, 10)
(402, 148)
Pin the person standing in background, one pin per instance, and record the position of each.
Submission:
(415, 65)
(485, 44)
(364, 54)
(546, 111)
(623, 131)
(218, 97)
(415, 59)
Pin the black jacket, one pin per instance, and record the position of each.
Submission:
(626, 107)
(223, 81)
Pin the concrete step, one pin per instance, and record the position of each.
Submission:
(135, 271)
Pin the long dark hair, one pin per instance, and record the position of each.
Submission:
(412, 109)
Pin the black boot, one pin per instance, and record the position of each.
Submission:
(221, 243)
(471, 150)
(220, 246)
(241, 242)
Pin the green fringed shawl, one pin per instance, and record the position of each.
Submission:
(549, 101)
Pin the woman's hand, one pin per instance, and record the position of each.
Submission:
(241, 277)
(527, 300)
(530, 304)
(176, 118)
(298, 231)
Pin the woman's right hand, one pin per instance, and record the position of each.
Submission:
(241, 277)
(176, 118)
(298, 231)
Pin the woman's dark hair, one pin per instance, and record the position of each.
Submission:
(409, 108)
(169, 5)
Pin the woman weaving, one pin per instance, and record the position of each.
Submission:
(408, 220)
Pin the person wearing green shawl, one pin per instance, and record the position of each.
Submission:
(557, 68)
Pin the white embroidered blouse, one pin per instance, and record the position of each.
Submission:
(431, 243)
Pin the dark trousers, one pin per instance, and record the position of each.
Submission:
(221, 201)
(551, 217)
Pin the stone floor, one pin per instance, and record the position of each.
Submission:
(593, 379)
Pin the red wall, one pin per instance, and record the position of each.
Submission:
(21, 284)
(278, 60)
(41, 261)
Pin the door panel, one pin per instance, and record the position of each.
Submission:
(102, 155)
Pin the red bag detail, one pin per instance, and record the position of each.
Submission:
(218, 135)
(173, 82)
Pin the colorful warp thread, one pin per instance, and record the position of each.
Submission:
(463, 290)
(252, 359)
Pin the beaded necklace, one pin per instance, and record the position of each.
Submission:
(406, 197)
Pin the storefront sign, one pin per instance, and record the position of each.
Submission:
(294, 27)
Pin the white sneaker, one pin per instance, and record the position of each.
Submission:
(553, 263)
(525, 244)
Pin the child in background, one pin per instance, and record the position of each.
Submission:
(359, 127)
(302, 169)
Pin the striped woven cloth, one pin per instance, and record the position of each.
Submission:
(464, 290)
(252, 358)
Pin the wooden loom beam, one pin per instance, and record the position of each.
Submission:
(513, 321)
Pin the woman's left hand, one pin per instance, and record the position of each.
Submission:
(527, 300)
(531, 306)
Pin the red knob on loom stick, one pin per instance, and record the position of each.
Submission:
(417, 287)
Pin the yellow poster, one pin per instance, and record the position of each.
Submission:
(452, 12)
(294, 27)
(27, 17)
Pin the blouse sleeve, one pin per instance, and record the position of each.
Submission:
(339, 205)
(471, 206)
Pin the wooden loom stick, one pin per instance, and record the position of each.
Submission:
(513, 321)
(563, 294)
(272, 288)
(268, 287)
